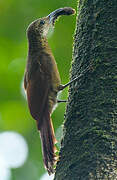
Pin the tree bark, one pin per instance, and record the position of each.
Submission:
(89, 144)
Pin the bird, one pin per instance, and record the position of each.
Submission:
(42, 82)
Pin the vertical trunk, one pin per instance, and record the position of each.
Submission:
(89, 145)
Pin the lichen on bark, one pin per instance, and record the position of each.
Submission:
(89, 144)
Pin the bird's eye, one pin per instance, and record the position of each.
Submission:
(42, 22)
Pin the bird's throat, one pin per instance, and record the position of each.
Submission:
(37, 44)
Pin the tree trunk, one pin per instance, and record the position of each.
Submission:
(89, 144)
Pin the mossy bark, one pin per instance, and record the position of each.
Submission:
(89, 145)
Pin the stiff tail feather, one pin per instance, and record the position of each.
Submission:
(48, 141)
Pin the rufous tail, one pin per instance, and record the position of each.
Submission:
(48, 141)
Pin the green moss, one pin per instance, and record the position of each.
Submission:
(89, 147)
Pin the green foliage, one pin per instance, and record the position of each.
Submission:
(15, 16)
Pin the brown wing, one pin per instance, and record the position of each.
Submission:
(37, 87)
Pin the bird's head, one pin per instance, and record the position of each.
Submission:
(41, 26)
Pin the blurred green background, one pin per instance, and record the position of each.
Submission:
(15, 16)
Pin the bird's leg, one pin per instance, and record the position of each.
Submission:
(61, 87)
(61, 101)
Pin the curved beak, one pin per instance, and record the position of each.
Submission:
(58, 12)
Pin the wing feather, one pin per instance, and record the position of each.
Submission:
(37, 94)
